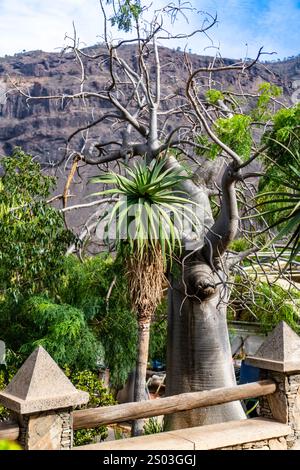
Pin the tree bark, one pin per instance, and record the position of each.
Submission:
(199, 356)
(141, 370)
(199, 353)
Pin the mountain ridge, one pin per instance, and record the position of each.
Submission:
(42, 127)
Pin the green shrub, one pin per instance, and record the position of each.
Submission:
(153, 426)
(85, 285)
(158, 334)
(266, 304)
(213, 96)
(240, 244)
(61, 329)
(6, 374)
(99, 396)
(33, 235)
(80, 325)
(9, 445)
(85, 380)
(235, 132)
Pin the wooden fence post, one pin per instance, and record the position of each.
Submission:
(42, 399)
(279, 360)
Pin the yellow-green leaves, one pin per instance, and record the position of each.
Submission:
(213, 96)
(235, 132)
(9, 445)
(266, 92)
(126, 12)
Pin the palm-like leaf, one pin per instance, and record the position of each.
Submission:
(286, 192)
(151, 209)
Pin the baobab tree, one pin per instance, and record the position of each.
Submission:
(202, 133)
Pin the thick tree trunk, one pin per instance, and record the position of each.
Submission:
(199, 356)
(141, 369)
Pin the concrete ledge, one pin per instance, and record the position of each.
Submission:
(213, 436)
(43, 404)
(161, 441)
(277, 366)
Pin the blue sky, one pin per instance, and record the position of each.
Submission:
(244, 25)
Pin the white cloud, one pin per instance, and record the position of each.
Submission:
(31, 24)
(42, 24)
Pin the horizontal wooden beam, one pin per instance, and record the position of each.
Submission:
(92, 417)
(9, 430)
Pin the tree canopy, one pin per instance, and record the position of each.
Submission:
(33, 236)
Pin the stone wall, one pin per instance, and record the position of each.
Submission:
(49, 430)
(293, 398)
(23, 424)
(67, 429)
(284, 405)
(267, 444)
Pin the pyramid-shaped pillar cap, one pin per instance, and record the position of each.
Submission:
(279, 352)
(40, 385)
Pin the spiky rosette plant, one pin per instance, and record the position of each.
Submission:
(147, 221)
(279, 198)
(283, 208)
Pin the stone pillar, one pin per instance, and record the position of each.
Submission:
(42, 399)
(279, 360)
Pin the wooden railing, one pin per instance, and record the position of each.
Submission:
(93, 417)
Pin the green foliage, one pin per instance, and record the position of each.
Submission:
(283, 140)
(277, 305)
(150, 209)
(120, 433)
(158, 334)
(80, 327)
(6, 374)
(4, 412)
(240, 244)
(99, 396)
(126, 12)
(23, 179)
(53, 300)
(33, 236)
(9, 445)
(213, 96)
(60, 328)
(266, 92)
(118, 334)
(279, 196)
(235, 132)
(33, 245)
(266, 304)
(209, 149)
(85, 285)
(153, 426)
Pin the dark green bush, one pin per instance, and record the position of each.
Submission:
(99, 396)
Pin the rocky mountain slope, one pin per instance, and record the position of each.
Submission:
(41, 127)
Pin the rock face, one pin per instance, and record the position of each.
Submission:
(42, 127)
